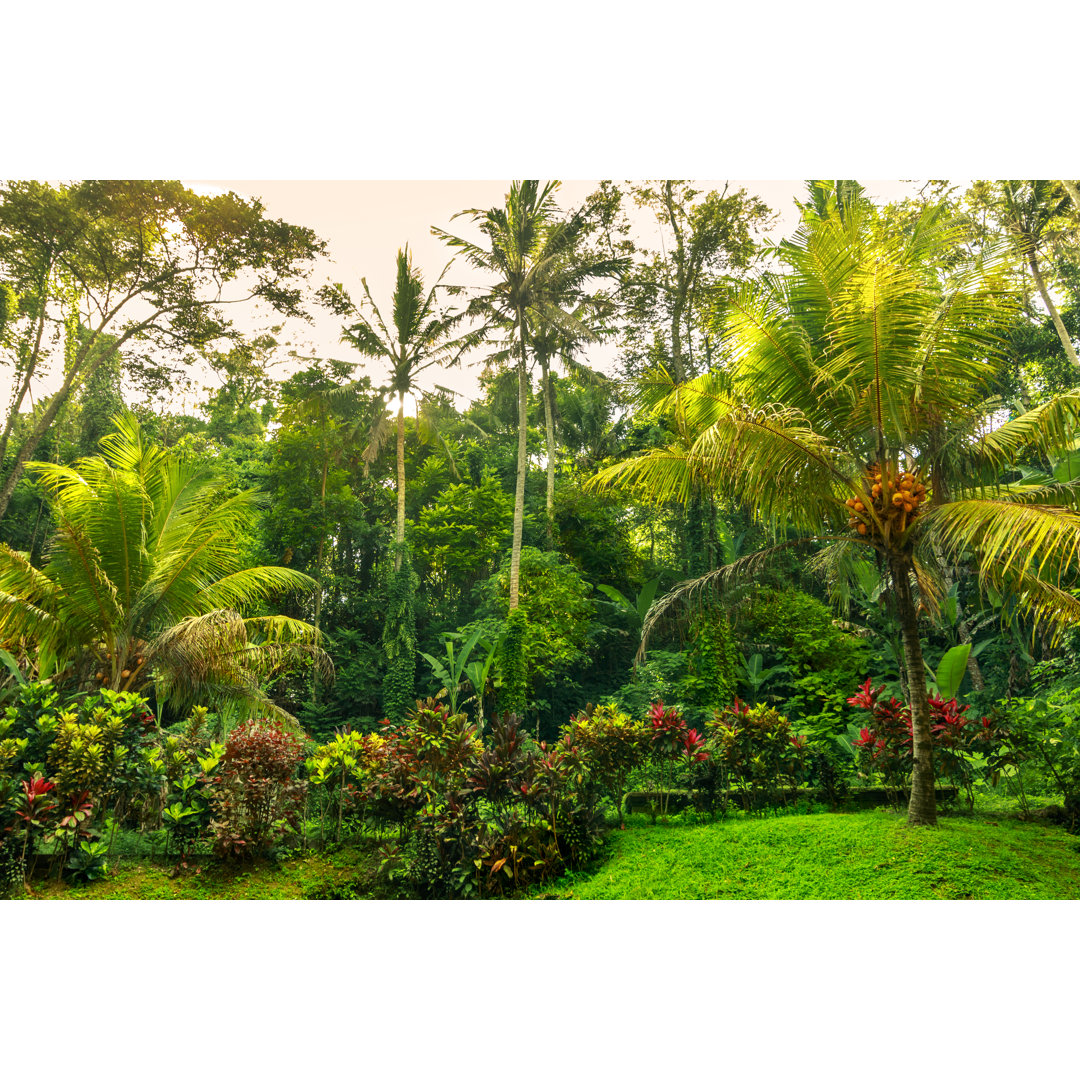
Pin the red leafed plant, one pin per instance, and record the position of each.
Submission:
(257, 796)
(34, 807)
(885, 746)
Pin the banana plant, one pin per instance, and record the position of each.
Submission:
(756, 674)
(477, 672)
(451, 672)
(639, 606)
(950, 672)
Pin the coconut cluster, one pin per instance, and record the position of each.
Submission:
(103, 676)
(895, 501)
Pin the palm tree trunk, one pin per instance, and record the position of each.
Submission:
(549, 425)
(400, 535)
(1059, 326)
(922, 807)
(519, 490)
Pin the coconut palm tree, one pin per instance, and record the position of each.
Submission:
(144, 586)
(531, 253)
(854, 410)
(421, 338)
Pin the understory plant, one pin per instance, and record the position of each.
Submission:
(760, 754)
(885, 744)
(257, 796)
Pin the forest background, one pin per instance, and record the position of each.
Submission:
(880, 136)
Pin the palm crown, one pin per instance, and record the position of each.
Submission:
(145, 583)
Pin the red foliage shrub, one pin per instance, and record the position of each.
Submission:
(258, 796)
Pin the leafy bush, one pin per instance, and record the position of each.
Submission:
(885, 748)
(614, 745)
(1041, 732)
(759, 752)
(481, 818)
(822, 656)
(341, 768)
(257, 797)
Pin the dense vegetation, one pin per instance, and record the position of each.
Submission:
(811, 545)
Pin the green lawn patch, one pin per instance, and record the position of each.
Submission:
(865, 856)
(346, 874)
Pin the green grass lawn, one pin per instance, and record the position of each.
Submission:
(863, 856)
(346, 874)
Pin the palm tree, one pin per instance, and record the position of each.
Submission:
(531, 254)
(421, 337)
(144, 586)
(1033, 213)
(854, 410)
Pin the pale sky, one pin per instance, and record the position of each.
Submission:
(366, 222)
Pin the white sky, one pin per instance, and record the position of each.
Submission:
(366, 222)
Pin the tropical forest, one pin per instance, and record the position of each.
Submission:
(652, 540)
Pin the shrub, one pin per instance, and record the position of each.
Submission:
(342, 768)
(614, 745)
(885, 748)
(758, 751)
(257, 797)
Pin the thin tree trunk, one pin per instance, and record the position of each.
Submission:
(549, 423)
(24, 385)
(519, 490)
(1059, 326)
(319, 565)
(400, 535)
(922, 807)
(678, 368)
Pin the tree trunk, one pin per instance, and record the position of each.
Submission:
(678, 367)
(549, 432)
(400, 534)
(922, 807)
(1063, 334)
(519, 490)
(319, 565)
(23, 386)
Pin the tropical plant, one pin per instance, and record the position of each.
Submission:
(421, 337)
(257, 796)
(144, 587)
(531, 254)
(451, 673)
(854, 410)
(614, 745)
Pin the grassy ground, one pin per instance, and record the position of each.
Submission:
(865, 856)
(871, 855)
(346, 874)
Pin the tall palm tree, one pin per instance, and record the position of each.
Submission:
(421, 337)
(144, 585)
(531, 253)
(854, 410)
(1033, 213)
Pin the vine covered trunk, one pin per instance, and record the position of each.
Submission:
(922, 806)
(549, 433)
(519, 490)
(399, 536)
